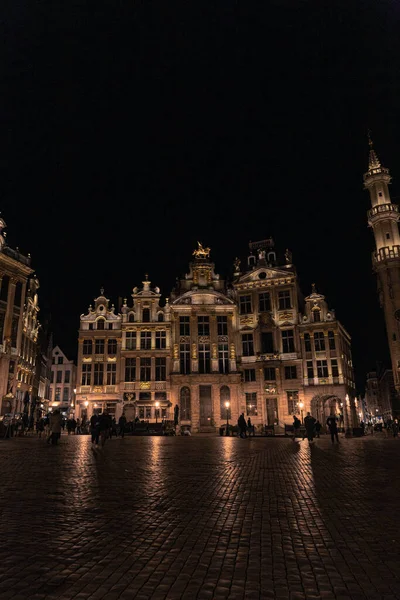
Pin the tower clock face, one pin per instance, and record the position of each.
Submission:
(397, 314)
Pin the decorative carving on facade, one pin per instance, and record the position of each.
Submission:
(176, 351)
(248, 320)
(145, 385)
(214, 351)
(194, 351)
(285, 316)
(204, 339)
(232, 351)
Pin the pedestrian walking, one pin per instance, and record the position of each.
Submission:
(94, 429)
(78, 426)
(122, 424)
(250, 427)
(104, 427)
(309, 423)
(296, 427)
(395, 428)
(242, 426)
(317, 428)
(333, 429)
(40, 427)
(55, 426)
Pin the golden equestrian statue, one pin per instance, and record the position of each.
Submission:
(201, 252)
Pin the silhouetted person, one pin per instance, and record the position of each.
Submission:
(332, 424)
(309, 423)
(122, 424)
(242, 426)
(317, 428)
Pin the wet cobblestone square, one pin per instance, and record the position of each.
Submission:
(199, 518)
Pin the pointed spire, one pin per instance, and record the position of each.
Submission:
(374, 162)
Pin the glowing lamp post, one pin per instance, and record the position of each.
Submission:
(227, 405)
(301, 406)
(157, 405)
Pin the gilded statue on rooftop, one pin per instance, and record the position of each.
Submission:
(201, 252)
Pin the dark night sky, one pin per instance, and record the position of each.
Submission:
(131, 129)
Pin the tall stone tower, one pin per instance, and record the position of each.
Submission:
(383, 218)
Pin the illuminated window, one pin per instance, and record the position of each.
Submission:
(247, 344)
(184, 326)
(249, 375)
(224, 396)
(130, 369)
(130, 340)
(251, 404)
(223, 358)
(203, 325)
(161, 340)
(98, 373)
(185, 404)
(222, 325)
(291, 372)
(269, 374)
(331, 340)
(319, 341)
(264, 302)
(145, 340)
(245, 305)
(292, 401)
(204, 359)
(111, 374)
(288, 341)
(284, 300)
(184, 358)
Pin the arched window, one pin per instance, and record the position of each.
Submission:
(271, 257)
(160, 317)
(251, 260)
(185, 404)
(146, 315)
(317, 315)
(4, 288)
(225, 396)
(100, 324)
(131, 318)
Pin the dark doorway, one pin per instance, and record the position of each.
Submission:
(205, 405)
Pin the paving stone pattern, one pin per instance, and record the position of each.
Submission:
(199, 518)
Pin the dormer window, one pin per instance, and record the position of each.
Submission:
(317, 316)
(160, 317)
(146, 315)
(251, 260)
(271, 257)
(100, 324)
(388, 236)
(131, 318)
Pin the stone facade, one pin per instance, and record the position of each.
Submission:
(383, 218)
(214, 349)
(63, 382)
(19, 329)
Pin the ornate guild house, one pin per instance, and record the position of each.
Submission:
(214, 349)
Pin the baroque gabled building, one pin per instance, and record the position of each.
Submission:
(215, 350)
(63, 382)
(19, 329)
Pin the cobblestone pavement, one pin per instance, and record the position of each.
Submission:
(199, 518)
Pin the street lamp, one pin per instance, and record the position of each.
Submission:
(227, 405)
(301, 406)
(157, 405)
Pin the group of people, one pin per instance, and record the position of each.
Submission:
(313, 427)
(244, 427)
(103, 426)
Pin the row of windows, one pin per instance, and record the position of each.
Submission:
(97, 371)
(65, 394)
(203, 325)
(264, 302)
(267, 339)
(145, 316)
(59, 377)
(130, 343)
(319, 341)
(204, 358)
(291, 371)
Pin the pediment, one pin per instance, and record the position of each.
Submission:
(263, 273)
(208, 297)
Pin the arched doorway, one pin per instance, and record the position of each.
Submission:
(324, 405)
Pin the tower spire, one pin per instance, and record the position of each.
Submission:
(374, 162)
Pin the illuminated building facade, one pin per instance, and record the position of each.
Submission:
(19, 328)
(62, 382)
(215, 350)
(383, 218)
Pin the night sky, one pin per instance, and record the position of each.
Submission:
(130, 130)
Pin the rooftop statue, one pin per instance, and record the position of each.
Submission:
(201, 252)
